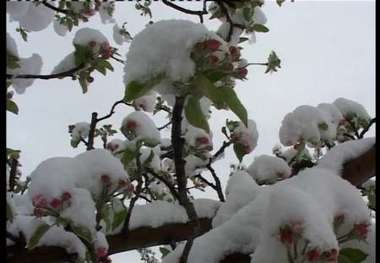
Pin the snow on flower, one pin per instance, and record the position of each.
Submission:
(304, 123)
(31, 17)
(194, 164)
(240, 191)
(81, 130)
(169, 55)
(198, 138)
(268, 169)
(95, 40)
(138, 126)
(11, 45)
(59, 28)
(67, 63)
(306, 203)
(246, 136)
(146, 103)
(351, 109)
(116, 145)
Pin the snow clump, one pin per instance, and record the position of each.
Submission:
(268, 169)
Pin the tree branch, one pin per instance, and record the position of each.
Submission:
(13, 174)
(355, 171)
(91, 133)
(64, 74)
(364, 131)
(187, 11)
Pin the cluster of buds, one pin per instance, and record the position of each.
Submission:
(290, 233)
(360, 231)
(42, 206)
(103, 49)
(129, 129)
(315, 255)
(214, 54)
(102, 255)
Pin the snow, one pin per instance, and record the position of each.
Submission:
(30, 16)
(246, 136)
(302, 124)
(267, 169)
(194, 164)
(341, 153)
(164, 48)
(146, 103)
(139, 126)
(240, 190)
(31, 65)
(311, 199)
(11, 45)
(59, 28)
(80, 130)
(116, 145)
(198, 138)
(351, 108)
(103, 12)
(158, 213)
(67, 63)
(120, 35)
(86, 35)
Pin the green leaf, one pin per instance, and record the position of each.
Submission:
(74, 142)
(260, 28)
(354, 255)
(214, 93)
(9, 213)
(12, 106)
(194, 114)
(279, 2)
(82, 232)
(13, 154)
(12, 61)
(233, 102)
(135, 90)
(247, 13)
(239, 151)
(127, 157)
(164, 251)
(83, 82)
(37, 235)
(102, 66)
(323, 126)
(119, 218)
(82, 54)
(243, 39)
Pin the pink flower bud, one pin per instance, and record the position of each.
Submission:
(235, 53)
(242, 72)
(331, 255)
(212, 44)
(105, 180)
(313, 255)
(202, 140)
(213, 59)
(39, 212)
(66, 196)
(101, 252)
(92, 44)
(361, 230)
(131, 125)
(286, 236)
(55, 203)
(39, 201)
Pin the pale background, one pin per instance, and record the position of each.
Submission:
(327, 50)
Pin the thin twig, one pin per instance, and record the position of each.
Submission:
(64, 74)
(186, 11)
(112, 111)
(13, 174)
(218, 185)
(91, 133)
(229, 20)
(166, 125)
(364, 131)
(165, 181)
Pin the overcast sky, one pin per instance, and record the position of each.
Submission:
(327, 50)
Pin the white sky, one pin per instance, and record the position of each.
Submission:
(327, 50)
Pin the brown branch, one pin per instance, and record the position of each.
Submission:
(187, 11)
(13, 174)
(364, 131)
(178, 147)
(355, 171)
(91, 133)
(229, 20)
(64, 74)
(218, 185)
(59, 10)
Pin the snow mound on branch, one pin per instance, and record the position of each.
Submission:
(30, 16)
(198, 138)
(341, 153)
(66, 64)
(246, 136)
(86, 35)
(240, 190)
(351, 108)
(31, 65)
(164, 48)
(59, 28)
(146, 103)
(304, 123)
(139, 126)
(11, 45)
(80, 130)
(309, 201)
(116, 145)
(158, 213)
(266, 168)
